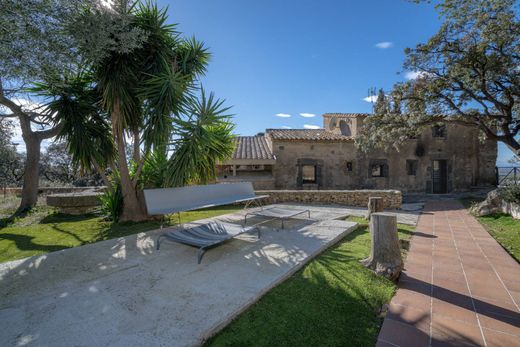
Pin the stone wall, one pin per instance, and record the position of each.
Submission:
(53, 190)
(469, 162)
(392, 199)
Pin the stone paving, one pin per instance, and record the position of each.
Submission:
(122, 292)
(459, 286)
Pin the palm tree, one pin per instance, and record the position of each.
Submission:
(149, 95)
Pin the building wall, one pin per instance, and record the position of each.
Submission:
(469, 163)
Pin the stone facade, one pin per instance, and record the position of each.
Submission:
(443, 159)
(392, 199)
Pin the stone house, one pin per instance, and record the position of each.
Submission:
(442, 159)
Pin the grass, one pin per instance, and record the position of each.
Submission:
(44, 230)
(502, 227)
(332, 301)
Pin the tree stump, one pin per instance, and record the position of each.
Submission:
(375, 204)
(385, 256)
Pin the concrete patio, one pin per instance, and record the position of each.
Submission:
(123, 292)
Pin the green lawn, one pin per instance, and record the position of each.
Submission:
(43, 230)
(332, 301)
(503, 228)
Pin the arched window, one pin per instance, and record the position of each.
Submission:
(344, 128)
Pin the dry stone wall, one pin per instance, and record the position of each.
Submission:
(392, 199)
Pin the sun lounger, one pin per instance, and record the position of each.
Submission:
(206, 235)
(277, 213)
(203, 236)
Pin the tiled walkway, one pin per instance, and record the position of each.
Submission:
(459, 287)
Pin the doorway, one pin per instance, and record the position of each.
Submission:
(440, 177)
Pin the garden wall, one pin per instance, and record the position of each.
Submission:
(51, 190)
(391, 198)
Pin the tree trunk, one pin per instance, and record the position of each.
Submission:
(385, 257)
(32, 172)
(375, 204)
(134, 208)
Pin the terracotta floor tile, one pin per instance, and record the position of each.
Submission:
(449, 332)
(381, 343)
(490, 291)
(456, 312)
(498, 339)
(424, 276)
(403, 335)
(411, 298)
(414, 316)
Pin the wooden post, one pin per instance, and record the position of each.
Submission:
(375, 204)
(385, 256)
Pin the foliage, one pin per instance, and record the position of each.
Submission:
(44, 230)
(72, 104)
(112, 202)
(332, 300)
(203, 139)
(466, 73)
(155, 170)
(32, 40)
(512, 193)
(11, 163)
(56, 164)
(34, 45)
(149, 92)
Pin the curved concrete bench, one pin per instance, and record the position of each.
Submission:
(75, 203)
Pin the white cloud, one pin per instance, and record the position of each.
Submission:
(286, 127)
(309, 126)
(371, 98)
(307, 115)
(412, 75)
(283, 115)
(384, 45)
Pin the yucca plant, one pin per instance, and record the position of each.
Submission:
(112, 202)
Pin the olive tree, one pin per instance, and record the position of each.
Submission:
(467, 73)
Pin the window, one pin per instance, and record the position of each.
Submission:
(439, 131)
(349, 166)
(377, 170)
(344, 128)
(411, 167)
(309, 173)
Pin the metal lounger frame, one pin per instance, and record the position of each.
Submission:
(202, 249)
(282, 218)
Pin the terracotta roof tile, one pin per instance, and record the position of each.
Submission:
(306, 135)
(350, 115)
(252, 147)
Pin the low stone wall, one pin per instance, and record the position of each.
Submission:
(75, 203)
(392, 199)
(53, 190)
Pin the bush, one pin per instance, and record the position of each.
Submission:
(512, 193)
(112, 202)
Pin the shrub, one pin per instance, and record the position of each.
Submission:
(512, 193)
(112, 202)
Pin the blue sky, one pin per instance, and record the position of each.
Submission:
(303, 56)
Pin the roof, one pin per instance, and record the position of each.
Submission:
(306, 135)
(349, 115)
(252, 147)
